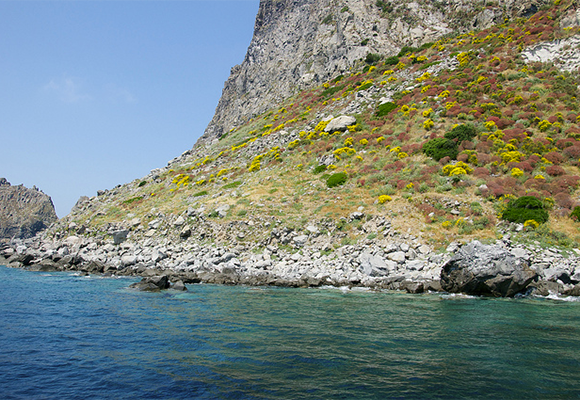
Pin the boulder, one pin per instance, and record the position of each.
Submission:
(374, 266)
(486, 270)
(152, 284)
(340, 123)
(120, 236)
(179, 286)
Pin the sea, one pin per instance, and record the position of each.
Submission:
(68, 336)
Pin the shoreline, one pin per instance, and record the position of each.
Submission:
(390, 264)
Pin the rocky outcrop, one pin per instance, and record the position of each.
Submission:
(23, 212)
(298, 44)
(487, 270)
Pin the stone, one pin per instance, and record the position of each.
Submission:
(340, 123)
(179, 221)
(397, 256)
(300, 240)
(374, 266)
(179, 285)
(120, 236)
(127, 260)
(152, 284)
(185, 232)
(154, 224)
(488, 270)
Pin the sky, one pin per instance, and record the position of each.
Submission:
(98, 93)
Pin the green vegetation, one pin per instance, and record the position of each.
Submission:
(232, 185)
(385, 108)
(440, 147)
(524, 209)
(336, 179)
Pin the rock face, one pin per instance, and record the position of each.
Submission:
(23, 212)
(298, 44)
(486, 270)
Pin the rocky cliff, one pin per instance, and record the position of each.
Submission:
(299, 44)
(23, 211)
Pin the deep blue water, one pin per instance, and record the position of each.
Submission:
(70, 337)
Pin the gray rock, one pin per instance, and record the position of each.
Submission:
(340, 123)
(397, 256)
(152, 284)
(300, 240)
(372, 265)
(120, 236)
(179, 286)
(479, 269)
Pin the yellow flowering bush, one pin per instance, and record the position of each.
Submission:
(384, 198)
(428, 124)
(516, 172)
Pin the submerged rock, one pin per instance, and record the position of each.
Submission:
(480, 269)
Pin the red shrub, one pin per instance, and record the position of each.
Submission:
(572, 151)
(552, 119)
(525, 166)
(554, 158)
(555, 170)
(533, 160)
(481, 172)
(564, 200)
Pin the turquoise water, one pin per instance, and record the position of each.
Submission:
(70, 337)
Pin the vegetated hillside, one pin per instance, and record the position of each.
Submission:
(444, 137)
(300, 44)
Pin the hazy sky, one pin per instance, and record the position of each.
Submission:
(98, 93)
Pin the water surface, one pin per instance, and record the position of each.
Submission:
(64, 336)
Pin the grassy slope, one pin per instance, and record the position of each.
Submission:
(526, 117)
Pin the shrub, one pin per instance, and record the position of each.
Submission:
(232, 185)
(142, 183)
(385, 109)
(372, 58)
(439, 148)
(525, 208)
(336, 179)
(199, 194)
(461, 132)
(319, 169)
(575, 214)
(394, 60)
(384, 198)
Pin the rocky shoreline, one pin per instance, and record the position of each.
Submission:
(499, 269)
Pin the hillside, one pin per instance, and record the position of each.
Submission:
(274, 167)
(374, 176)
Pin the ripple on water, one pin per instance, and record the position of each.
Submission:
(69, 336)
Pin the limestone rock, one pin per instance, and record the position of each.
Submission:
(23, 212)
(340, 123)
(486, 270)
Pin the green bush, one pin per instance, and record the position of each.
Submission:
(575, 214)
(440, 147)
(232, 185)
(319, 169)
(524, 209)
(372, 58)
(461, 132)
(393, 60)
(385, 108)
(332, 90)
(199, 194)
(142, 183)
(336, 179)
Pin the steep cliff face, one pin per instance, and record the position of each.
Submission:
(23, 212)
(301, 43)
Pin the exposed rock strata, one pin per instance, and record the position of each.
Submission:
(298, 44)
(23, 212)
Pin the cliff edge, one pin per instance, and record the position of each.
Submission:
(23, 212)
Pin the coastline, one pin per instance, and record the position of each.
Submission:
(393, 264)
